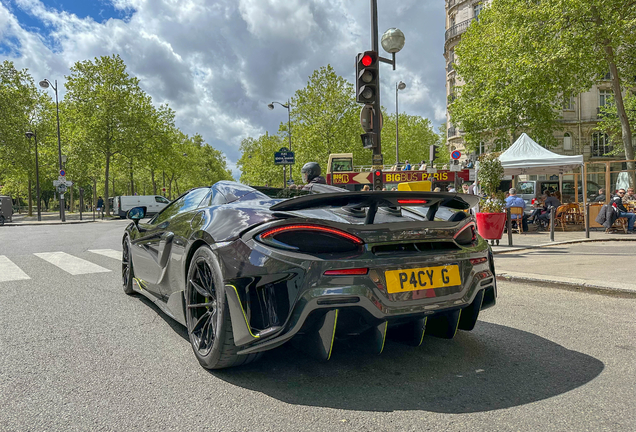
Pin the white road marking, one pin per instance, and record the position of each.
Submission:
(9, 271)
(70, 263)
(110, 253)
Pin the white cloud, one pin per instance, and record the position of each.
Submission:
(219, 63)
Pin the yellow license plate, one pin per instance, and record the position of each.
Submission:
(422, 278)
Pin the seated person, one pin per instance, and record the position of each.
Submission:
(514, 201)
(629, 196)
(601, 196)
(550, 201)
(617, 202)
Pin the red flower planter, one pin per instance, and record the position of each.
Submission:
(491, 225)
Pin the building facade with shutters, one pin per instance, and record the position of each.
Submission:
(580, 113)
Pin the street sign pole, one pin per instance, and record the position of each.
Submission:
(377, 149)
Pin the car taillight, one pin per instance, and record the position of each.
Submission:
(467, 236)
(310, 238)
(475, 261)
(347, 272)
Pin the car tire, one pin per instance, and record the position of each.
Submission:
(1, 220)
(127, 273)
(208, 315)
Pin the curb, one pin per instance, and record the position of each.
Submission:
(566, 242)
(577, 286)
(13, 224)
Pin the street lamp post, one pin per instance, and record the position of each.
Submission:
(288, 107)
(45, 83)
(398, 86)
(37, 172)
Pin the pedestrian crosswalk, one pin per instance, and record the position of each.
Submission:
(10, 271)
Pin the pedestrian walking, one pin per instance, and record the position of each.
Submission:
(100, 206)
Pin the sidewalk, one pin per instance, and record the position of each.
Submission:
(538, 239)
(53, 218)
(571, 260)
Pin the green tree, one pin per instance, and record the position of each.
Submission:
(102, 98)
(257, 161)
(521, 57)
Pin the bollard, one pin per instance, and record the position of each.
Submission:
(552, 217)
(587, 220)
(509, 226)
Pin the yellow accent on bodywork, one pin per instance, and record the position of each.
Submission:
(333, 335)
(386, 326)
(457, 325)
(424, 331)
(243, 310)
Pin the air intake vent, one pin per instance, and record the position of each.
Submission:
(414, 248)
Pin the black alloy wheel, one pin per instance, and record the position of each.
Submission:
(207, 314)
(201, 307)
(126, 269)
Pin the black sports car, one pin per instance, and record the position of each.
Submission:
(246, 273)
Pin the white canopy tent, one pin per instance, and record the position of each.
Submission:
(525, 156)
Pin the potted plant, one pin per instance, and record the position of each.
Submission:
(491, 218)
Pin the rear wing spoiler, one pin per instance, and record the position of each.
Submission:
(375, 199)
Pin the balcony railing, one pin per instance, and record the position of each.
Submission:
(452, 131)
(451, 67)
(458, 29)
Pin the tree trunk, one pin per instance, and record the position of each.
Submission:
(176, 187)
(132, 182)
(626, 132)
(30, 212)
(154, 182)
(106, 206)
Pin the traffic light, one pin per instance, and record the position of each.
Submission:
(369, 140)
(432, 152)
(378, 182)
(367, 77)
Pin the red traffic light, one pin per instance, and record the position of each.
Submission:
(378, 173)
(367, 60)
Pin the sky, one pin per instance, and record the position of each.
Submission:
(218, 63)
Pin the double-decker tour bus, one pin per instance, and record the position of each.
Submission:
(342, 173)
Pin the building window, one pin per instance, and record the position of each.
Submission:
(568, 102)
(605, 97)
(477, 9)
(567, 141)
(451, 22)
(600, 144)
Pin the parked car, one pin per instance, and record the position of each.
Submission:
(153, 203)
(533, 189)
(245, 273)
(6, 209)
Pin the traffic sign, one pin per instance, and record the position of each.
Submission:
(366, 118)
(61, 188)
(284, 157)
(62, 173)
(456, 154)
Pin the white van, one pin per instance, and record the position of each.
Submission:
(153, 203)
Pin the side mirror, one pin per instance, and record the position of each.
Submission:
(136, 213)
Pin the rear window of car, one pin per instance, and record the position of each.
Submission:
(162, 200)
(524, 188)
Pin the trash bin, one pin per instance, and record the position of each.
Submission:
(6, 209)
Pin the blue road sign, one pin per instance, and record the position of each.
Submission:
(284, 158)
(456, 154)
(62, 173)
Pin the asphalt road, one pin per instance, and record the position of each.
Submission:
(76, 353)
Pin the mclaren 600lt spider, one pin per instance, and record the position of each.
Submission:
(245, 272)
